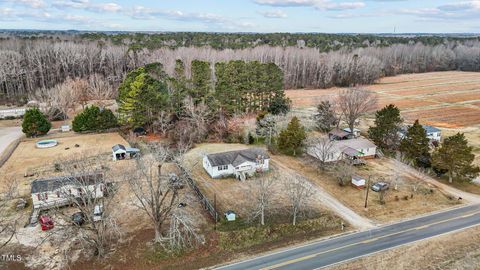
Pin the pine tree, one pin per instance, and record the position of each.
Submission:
(290, 140)
(456, 157)
(385, 132)
(415, 145)
(201, 81)
(326, 118)
(35, 123)
(94, 119)
(143, 95)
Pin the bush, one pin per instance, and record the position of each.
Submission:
(94, 119)
(35, 123)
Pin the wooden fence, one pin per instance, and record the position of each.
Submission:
(207, 205)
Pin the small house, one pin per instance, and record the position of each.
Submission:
(230, 215)
(354, 134)
(338, 135)
(433, 133)
(65, 128)
(120, 152)
(353, 150)
(358, 182)
(59, 191)
(241, 163)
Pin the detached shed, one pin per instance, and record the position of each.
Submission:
(120, 152)
(230, 215)
(358, 182)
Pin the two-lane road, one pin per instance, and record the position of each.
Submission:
(340, 249)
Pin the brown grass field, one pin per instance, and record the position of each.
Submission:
(28, 158)
(444, 99)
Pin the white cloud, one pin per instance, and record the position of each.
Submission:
(273, 14)
(87, 5)
(317, 4)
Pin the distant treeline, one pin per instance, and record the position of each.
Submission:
(28, 65)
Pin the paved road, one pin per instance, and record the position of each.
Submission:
(340, 249)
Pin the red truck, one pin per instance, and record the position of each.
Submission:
(46, 222)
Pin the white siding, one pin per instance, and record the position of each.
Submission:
(62, 195)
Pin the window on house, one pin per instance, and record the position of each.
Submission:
(223, 167)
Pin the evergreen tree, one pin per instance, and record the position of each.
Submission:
(94, 119)
(143, 95)
(266, 127)
(326, 118)
(415, 144)
(385, 132)
(456, 157)
(279, 105)
(201, 81)
(179, 84)
(35, 123)
(290, 140)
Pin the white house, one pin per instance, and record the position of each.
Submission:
(433, 133)
(59, 191)
(120, 152)
(230, 215)
(240, 163)
(352, 149)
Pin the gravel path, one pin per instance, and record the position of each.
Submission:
(335, 205)
(7, 136)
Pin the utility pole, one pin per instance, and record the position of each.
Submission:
(368, 189)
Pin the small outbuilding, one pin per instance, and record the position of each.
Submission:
(358, 182)
(354, 134)
(338, 135)
(120, 152)
(230, 215)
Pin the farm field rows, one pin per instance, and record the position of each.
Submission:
(444, 99)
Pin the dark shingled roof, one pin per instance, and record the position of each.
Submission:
(117, 147)
(237, 157)
(51, 184)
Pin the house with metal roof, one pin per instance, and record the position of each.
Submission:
(433, 133)
(240, 164)
(59, 191)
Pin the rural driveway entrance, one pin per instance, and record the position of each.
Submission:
(7, 136)
(336, 206)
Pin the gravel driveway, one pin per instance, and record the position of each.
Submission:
(7, 136)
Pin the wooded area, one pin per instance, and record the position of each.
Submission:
(27, 65)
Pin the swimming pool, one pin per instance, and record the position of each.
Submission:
(46, 143)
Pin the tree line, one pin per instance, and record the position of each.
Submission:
(28, 66)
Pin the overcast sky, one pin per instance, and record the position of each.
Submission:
(331, 16)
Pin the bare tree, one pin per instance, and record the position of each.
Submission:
(343, 171)
(95, 202)
(198, 116)
(261, 193)
(163, 123)
(156, 192)
(322, 149)
(8, 224)
(182, 232)
(299, 192)
(354, 103)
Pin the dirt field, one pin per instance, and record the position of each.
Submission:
(448, 252)
(444, 99)
(423, 201)
(28, 158)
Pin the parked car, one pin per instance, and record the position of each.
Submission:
(380, 186)
(79, 218)
(97, 212)
(46, 222)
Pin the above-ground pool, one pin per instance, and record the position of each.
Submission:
(46, 143)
